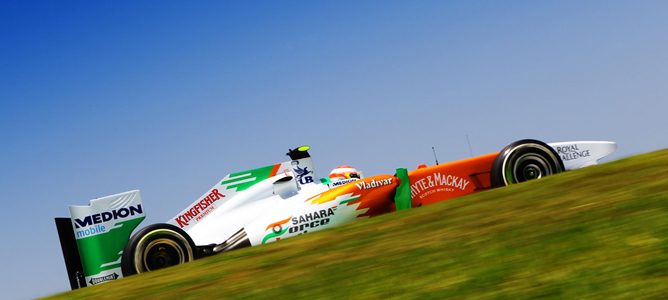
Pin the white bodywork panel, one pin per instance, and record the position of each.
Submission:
(580, 154)
(256, 203)
(223, 209)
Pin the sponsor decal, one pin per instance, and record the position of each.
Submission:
(311, 220)
(571, 152)
(344, 181)
(277, 230)
(106, 216)
(300, 224)
(438, 182)
(303, 174)
(91, 225)
(91, 231)
(373, 184)
(96, 280)
(199, 209)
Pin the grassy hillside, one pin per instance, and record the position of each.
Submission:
(599, 232)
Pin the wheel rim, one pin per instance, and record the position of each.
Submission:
(162, 253)
(520, 167)
(530, 166)
(159, 249)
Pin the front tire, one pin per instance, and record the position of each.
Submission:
(155, 247)
(525, 160)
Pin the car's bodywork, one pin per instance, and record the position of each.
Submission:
(279, 201)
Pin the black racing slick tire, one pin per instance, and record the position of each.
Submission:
(525, 160)
(155, 247)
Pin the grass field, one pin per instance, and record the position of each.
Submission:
(599, 232)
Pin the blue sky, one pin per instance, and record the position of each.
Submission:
(100, 97)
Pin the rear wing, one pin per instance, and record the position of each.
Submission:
(94, 236)
(301, 167)
(71, 253)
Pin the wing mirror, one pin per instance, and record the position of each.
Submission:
(285, 187)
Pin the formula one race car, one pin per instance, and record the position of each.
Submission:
(283, 200)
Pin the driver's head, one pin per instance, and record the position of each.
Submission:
(347, 173)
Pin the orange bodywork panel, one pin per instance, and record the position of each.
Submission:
(454, 179)
(372, 195)
(375, 195)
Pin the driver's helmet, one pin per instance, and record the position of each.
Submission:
(344, 174)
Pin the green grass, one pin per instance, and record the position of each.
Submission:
(599, 232)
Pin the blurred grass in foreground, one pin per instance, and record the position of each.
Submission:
(599, 232)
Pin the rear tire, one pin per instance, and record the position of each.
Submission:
(155, 247)
(525, 160)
